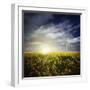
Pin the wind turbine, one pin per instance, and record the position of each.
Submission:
(67, 45)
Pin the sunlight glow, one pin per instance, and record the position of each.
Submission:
(46, 50)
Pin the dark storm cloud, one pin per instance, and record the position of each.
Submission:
(57, 30)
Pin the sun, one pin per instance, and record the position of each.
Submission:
(46, 50)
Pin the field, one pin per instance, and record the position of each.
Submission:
(51, 64)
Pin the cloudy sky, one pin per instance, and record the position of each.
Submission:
(59, 32)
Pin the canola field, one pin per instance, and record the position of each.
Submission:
(51, 64)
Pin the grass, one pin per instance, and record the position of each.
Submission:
(51, 64)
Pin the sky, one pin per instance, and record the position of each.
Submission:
(55, 31)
